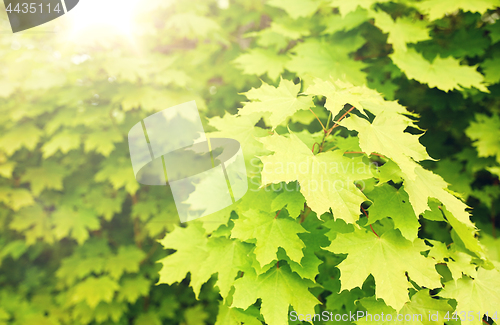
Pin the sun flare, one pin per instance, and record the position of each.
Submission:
(108, 16)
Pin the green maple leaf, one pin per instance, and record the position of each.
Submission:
(494, 34)
(391, 202)
(144, 209)
(195, 316)
(25, 135)
(126, 260)
(278, 289)
(256, 196)
(346, 7)
(386, 136)
(491, 68)
(338, 93)
(198, 200)
(133, 288)
(452, 172)
(326, 180)
(105, 204)
(14, 249)
(268, 38)
(226, 257)
(436, 9)
(173, 76)
(269, 234)
(291, 28)
(457, 262)
(293, 200)
(63, 141)
(236, 316)
(215, 220)
(389, 172)
(94, 290)
(147, 98)
(260, 61)
(119, 172)
(353, 19)
(477, 295)
(402, 31)
(314, 240)
(75, 224)
(322, 59)
(34, 223)
(280, 102)
(241, 128)
(49, 176)
(485, 132)
(420, 308)
(149, 318)
(112, 311)
(205, 257)
(493, 246)
(191, 246)
(163, 221)
(20, 198)
(434, 213)
(429, 185)
(6, 168)
(369, 254)
(466, 232)
(296, 9)
(445, 74)
(90, 258)
(102, 141)
(308, 266)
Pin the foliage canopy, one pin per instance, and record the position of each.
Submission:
(370, 129)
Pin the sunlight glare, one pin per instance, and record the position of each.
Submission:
(109, 16)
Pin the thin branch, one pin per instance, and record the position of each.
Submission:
(137, 233)
(152, 250)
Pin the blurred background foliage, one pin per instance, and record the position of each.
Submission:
(78, 241)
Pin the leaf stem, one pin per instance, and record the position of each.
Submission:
(340, 119)
(315, 143)
(324, 129)
(329, 131)
(366, 214)
(304, 214)
(277, 213)
(328, 121)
